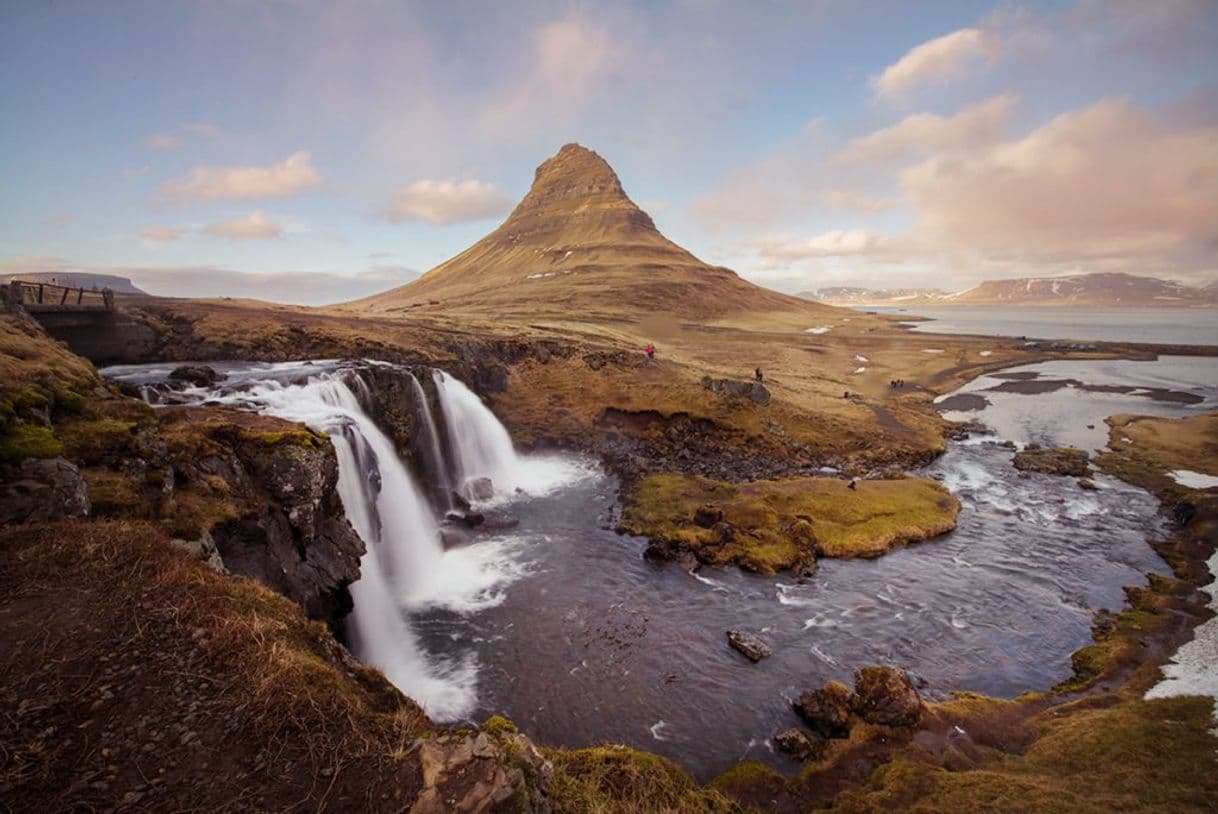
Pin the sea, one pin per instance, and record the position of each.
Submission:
(1172, 326)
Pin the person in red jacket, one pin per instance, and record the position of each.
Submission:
(650, 350)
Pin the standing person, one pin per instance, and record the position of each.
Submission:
(650, 350)
(757, 374)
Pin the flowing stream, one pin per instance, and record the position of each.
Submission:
(545, 615)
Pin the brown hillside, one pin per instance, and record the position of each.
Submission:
(577, 246)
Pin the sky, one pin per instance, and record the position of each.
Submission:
(317, 151)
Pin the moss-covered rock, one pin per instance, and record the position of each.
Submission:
(772, 525)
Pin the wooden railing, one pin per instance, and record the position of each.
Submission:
(30, 296)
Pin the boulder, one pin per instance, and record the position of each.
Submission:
(886, 696)
(198, 375)
(799, 744)
(42, 489)
(707, 515)
(753, 648)
(827, 710)
(734, 388)
(1087, 484)
(205, 550)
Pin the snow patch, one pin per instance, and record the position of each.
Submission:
(1194, 480)
(822, 329)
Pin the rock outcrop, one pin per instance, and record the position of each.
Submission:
(734, 388)
(41, 489)
(481, 771)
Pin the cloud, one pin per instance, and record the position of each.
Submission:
(838, 198)
(836, 243)
(443, 202)
(293, 175)
(1105, 183)
(256, 226)
(162, 234)
(975, 126)
(162, 141)
(935, 62)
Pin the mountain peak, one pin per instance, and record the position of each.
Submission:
(575, 183)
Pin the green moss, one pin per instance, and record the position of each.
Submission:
(612, 778)
(92, 442)
(28, 441)
(497, 724)
(775, 524)
(296, 436)
(743, 778)
(113, 494)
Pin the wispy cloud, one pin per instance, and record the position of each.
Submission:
(443, 202)
(936, 62)
(975, 126)
(255, 226)
(162, 234)
(293, 175)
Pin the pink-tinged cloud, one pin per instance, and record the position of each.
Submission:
(979, 125)
(1102, 183)
(443, 202)
(939, 61)
(162, 141)
(293, 175)
(835, 243)
(162, 234)
(256, 226)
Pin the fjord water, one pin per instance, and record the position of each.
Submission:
(561, 625)
(1171, 326)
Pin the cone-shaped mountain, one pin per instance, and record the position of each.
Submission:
(577, 245)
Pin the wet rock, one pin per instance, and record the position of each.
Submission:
(886, 696)
(1087, 484)
(480, 489)
(1053, 461)
(468, 519)
(753, 648)
(482, 772)
(42, 489)
(459, 502)
(724, 533)
(805, 568)
(707, 515)
(799, 744)
(828, 711)
(198, 375)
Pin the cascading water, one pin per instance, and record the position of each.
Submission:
(405, 567)
(437, 465)
(480, 444)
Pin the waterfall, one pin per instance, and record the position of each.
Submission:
(437, 466)
(405, 567)
(481, 446)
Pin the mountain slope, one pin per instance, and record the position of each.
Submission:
(78, 279)
(850, 295)
(577, 246)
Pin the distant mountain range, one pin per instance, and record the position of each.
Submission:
(78, 279)
(1100, 290)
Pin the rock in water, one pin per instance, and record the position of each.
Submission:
(886, 696)
(198, 375)
(799, 744)
(827, 710)
(753, 648)
(1053, 461)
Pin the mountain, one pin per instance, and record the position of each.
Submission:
(78, 279)
(849, 295)
(577, 246)
(1108, 290)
